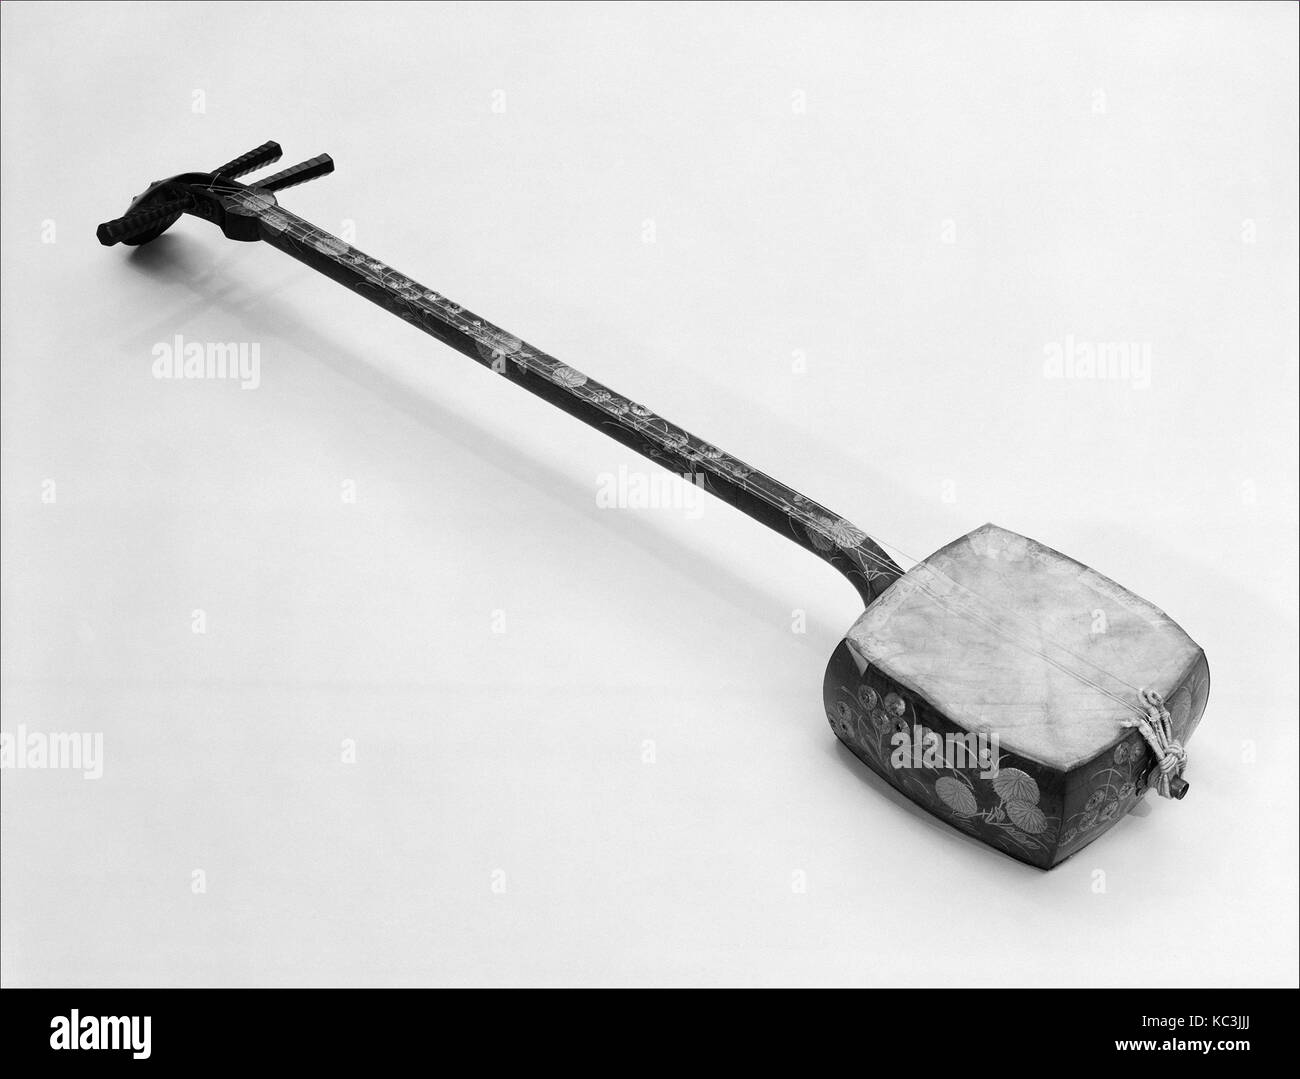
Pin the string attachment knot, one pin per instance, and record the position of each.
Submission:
(1157, 729)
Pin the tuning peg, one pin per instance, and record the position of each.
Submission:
(135, 228)
(266, 154)
(297, 174)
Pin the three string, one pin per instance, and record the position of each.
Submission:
(1145, 715)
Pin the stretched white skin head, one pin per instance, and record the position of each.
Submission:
(1008, 647)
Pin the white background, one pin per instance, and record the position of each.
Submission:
(915, 202)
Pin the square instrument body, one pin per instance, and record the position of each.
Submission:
(997, 650)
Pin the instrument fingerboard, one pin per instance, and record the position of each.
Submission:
(845, 546)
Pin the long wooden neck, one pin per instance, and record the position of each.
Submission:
(830, 537)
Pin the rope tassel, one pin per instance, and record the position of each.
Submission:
(1171, 757)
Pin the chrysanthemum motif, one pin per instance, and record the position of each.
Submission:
(710, 453)
(250, 202)
(894, 704)
(1127, 791)
(1121, 753)
(868, 697)
(956, 796)
(1088, 820)
(845, 534)
(1095, 799)
(495, 345)
(673, 440)
(828, 532)
(1026, 816)
(600, 397)
(841, 719)
(1109, 810)
(274, 221)
(820, 538)
(567, 376)
(640, 411)
(330, 245)
(1014, 785)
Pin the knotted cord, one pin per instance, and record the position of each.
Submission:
(1171, 757)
